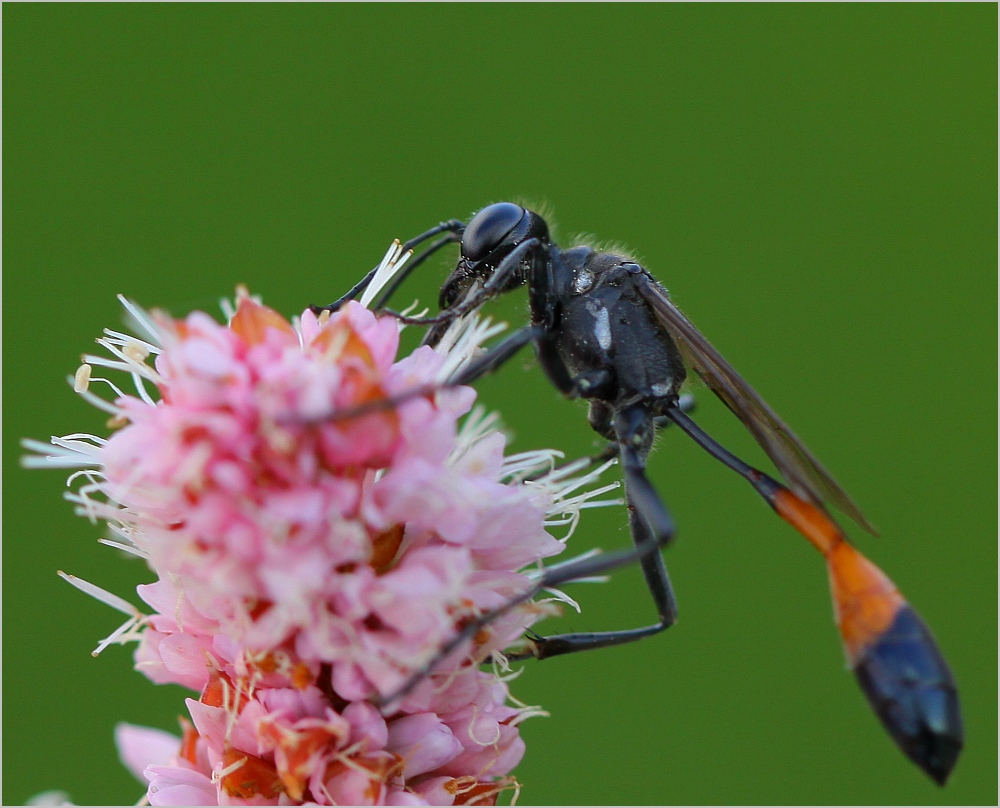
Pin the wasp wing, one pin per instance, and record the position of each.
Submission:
(800, 468)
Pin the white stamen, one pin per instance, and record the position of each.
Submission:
(117, 390)
(573, 507)
(131, 353)
(82, 498)
(66, 452)
(389, 267)
(134, 344)
(572, 468)
(125, 548)
(411, 311)
(537, 573)
(527, 712)
(461, 342)
(121, 635)
(584, 500)
(478, 425)
(102, 595)
(92, 509)
(228, 311)
(95, 479)
(95, 401)
(228, 770)
(472, 725)
(561, 597)
(140, 387)
(75, 436)
(517, 466)
(54, 461)
(125, 532)
(126, 364)
(142, 319)
(561, 489)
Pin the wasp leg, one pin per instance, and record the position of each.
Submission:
(658, 581)
(454, 226)
(651, 526)
(405, 272)
(556, 576)
(496, 356)
(479, 367)
(635, 438)
(890, 649)
(505, 271)
(686, 403)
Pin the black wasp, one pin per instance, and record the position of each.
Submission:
(606, 331)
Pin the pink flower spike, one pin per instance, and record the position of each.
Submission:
(312, 555)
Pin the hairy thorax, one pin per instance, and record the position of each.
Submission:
(606, 325)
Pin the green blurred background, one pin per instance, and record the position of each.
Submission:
(815, 184)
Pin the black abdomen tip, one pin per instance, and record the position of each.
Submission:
(911, 689)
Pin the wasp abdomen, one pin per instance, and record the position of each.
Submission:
(911, 689)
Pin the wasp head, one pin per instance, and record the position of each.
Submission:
(486, 241)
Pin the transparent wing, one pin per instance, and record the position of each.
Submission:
(800, 468)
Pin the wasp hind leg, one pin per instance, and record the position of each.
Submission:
(651, 527)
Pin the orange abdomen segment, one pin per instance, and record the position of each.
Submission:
(810, 521)
(864, 599)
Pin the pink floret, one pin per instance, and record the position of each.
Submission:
(176, 785)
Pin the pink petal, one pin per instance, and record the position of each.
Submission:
(400, 797)
(139, 747)
(434, 792)
(211, 723)
(352, 787)
(367, 724)
(489, 760)
(175, 785)
(184, 655)
(423, 741)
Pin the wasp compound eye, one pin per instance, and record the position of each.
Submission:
(489, 228)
